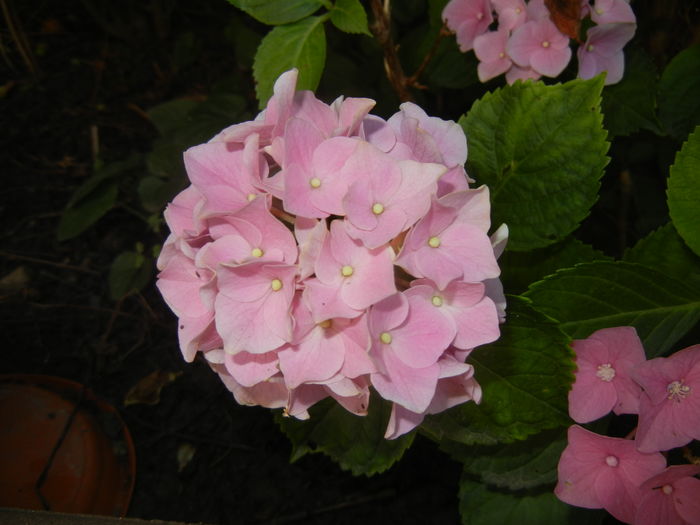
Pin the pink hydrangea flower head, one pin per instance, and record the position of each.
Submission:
(669, 409)
(602, 51)
(672, 496)
(281, 261)
(612, 12)
(603, 381)
(538, 44)
(490, 49)
(468, 19)
(597, 471)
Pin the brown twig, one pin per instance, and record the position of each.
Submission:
(381, 28)
(48, 263)
(413, 79)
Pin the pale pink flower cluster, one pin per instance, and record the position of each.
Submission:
(520, 39)
(629, 477)
(321, 250)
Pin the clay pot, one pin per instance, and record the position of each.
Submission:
(62, 448)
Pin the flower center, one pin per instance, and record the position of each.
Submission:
(434, 242)
(605, 372)
(315, 182)
(326, 324)
(377, 208)
(545, 44)
(276, 285)
(385, 337)
(347, 270)
(436, 300)
(518, 10)
(677, 391)
(599, 11)
(667, 489)
(256, 252)
(501, 55)
(611, 461)
(479, 16)
(251, 197)
(590, 48)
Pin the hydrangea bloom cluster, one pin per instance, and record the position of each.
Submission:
(520, 38)
(321, 250)
(629, 477)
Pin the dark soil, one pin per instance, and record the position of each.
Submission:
(77, 79)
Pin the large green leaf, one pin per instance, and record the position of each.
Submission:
(515, 466)
(356, 443)
(630, 105)
(684, 192)
(276, 12)
(520, 269)
(679, 104)
(525, 377)
(541, 149)
(350, 16)
(300, 45)
(664, 251)
(480, 505)
(602, 294)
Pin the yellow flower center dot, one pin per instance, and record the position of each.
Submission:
(377, 208)
(256, 252)
(315, 182)
(590, 48)
(385, 337)
(545, 44)
(436, 300)
(276, 285)
(346, 270)
(501, 55)
(251, 197)
(326, 324)
(434, 242)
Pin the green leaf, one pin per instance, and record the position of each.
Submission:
(78, 218)
(602, 294)
(277, 12)
(679, 104)
(356, 443)
(129, 272)
(541, 150)
(480, 505)
(664, 251)
(525, 377)
(684, 192)
(515, 466)
(301, 45)
(520, 269)
(350, 16)
(630, 105)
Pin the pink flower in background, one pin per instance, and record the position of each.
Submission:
(534, 45)
(604, 472)
(612, 12)
(672, 496)
(603, 381)
(490, 49)
(538, 44)
(602, 51)
(669, 409)
(468, 19)
(281, 264)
